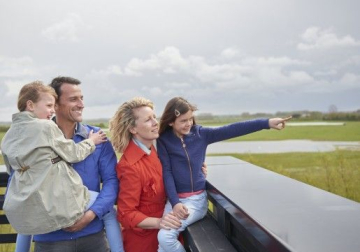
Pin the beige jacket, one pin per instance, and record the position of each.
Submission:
(43, 195)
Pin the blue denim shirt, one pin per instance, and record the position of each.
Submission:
(96, 168)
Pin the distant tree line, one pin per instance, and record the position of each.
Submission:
(297, 115)
(330, 116)
(342, 116)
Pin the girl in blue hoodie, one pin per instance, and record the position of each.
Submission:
(182, 149)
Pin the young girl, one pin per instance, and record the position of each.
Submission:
(182, 147)
(44, 193)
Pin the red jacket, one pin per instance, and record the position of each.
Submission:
(141, 195)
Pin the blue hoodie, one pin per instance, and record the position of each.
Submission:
(182, 162)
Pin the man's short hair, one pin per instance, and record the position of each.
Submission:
(57, 82)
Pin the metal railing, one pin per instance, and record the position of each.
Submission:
(4, 237)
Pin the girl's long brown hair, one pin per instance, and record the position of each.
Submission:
(173, 109)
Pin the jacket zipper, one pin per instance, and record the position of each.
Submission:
(187, 155)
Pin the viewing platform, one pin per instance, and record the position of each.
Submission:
(259, 210)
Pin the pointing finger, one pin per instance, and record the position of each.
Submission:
(287, 118)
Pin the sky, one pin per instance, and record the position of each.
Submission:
(225, 56)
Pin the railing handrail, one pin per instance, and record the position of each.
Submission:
(4, 238)
(277, 213)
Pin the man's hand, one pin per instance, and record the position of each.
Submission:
(83, 222)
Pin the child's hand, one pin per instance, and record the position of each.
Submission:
(98, 137)
(204, 169)
(278, 123)
(181, 211)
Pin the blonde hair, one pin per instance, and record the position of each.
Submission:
(31, 92)
(123, 120)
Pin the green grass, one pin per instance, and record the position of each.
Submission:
(337, 172)
(2, 135)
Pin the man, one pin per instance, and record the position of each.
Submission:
(87, 234)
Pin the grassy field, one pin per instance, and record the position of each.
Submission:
(337, 172)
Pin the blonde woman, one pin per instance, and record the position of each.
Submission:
(141, 198)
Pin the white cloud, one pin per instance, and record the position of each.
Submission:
(230, 53)
(9, 90)
(354, 60)
(66, 30)
(14, 86)
(113, 69)
(11, 62)
(300, 77)
(243, 75)
(276, 61)
(177, 85)
(328, 72)
(153, 91)
(168, 60)
(227, 75)
(317, 38)
(350, 80)
(16, 67)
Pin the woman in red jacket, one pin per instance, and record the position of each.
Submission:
(142, 197)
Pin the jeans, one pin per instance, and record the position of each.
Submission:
(197, 207)
(23, 243)
(113, 232)
(90, 243)
(112, 227)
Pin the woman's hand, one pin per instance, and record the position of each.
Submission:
(169, 221)
(181, 211)
(278, 123)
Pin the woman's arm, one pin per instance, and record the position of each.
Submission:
(128, 200)
(166, 222)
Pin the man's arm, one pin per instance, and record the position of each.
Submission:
(108, 193)
(110, 184)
